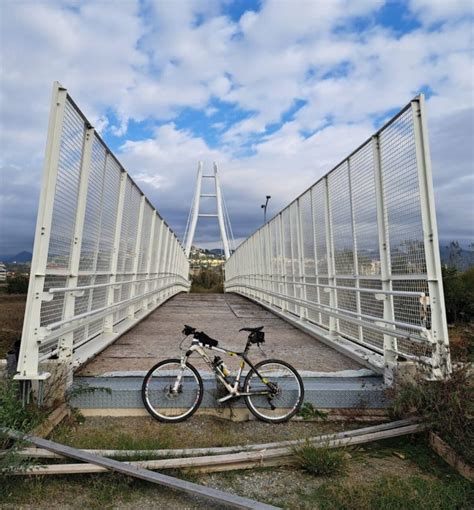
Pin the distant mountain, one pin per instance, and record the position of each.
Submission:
(455, 255)
(23, 256)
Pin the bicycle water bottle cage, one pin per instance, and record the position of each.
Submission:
(206, 340)
(188, 330)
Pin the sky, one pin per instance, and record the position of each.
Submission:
(276, 92)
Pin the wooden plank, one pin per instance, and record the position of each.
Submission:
(186, 452)
(237, 459)
(451, 457)
(190, 488)
(54, 419)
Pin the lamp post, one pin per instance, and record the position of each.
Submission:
(264, 207)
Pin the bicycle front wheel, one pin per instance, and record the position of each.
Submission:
(171, 392)
(285, 391)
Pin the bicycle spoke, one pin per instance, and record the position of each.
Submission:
(171, 392)
(284, 388)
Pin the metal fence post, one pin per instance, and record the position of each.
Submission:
(31, 335)
(316, 257)
(439, 329)
(269, 269)
(301, 267)
(109, 319)
(283, 303)
(138, 240)
(67, 340)
(354, 247)
(149, 263)
(389, 342)
(333, 322)
(159, 258)
(165, 263)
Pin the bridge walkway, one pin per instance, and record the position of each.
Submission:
(220, 316)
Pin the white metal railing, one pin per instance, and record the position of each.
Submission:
(103, 257)
(355, 259)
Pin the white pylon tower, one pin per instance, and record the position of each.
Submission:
(195, 214)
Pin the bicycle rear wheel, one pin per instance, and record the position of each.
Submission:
(287, 391)
(172, 393)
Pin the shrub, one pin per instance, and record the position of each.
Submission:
(14, 415)
(321, 460)
(309, 412)
(459, 294)
(447, 405)
(208, 281)
(17, 285)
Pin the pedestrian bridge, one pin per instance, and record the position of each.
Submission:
(347, 276)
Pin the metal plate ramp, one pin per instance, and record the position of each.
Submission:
(121, 394)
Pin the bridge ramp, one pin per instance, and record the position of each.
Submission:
(220, 316)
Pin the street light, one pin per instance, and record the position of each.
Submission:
(264, 207)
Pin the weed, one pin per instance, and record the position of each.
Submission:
(108, 436)
(321, 460)
(309, 412)
(447, 405)
(14, 415)
(395, 493)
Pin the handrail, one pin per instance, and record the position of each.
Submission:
(400, 293)
(55, 290)
(340, 314)
(109, 308)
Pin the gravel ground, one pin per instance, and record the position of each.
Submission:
(286, 487)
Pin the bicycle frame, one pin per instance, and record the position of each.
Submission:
(233, 389)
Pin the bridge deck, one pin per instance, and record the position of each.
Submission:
(220, 316)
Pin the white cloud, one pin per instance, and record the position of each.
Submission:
(435, 11)
(151, 59)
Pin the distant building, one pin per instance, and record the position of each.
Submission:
(3, 272)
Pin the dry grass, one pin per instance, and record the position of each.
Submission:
(199, 432)
(12, 310)
(461, 342)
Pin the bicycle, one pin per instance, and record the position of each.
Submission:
(173, 389)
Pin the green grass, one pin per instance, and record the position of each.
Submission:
(109, 439)
(101, 491)
(395, 493)
(416, 451)
(321, 460)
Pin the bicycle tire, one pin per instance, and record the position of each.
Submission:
(251, 405)
(145, 393)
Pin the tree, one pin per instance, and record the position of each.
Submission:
(17, 285)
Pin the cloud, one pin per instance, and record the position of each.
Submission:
(277, 94)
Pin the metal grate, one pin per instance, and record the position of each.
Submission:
(89, 270)
(66, 189)
(349, 254)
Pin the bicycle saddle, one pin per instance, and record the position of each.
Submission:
(252, 330)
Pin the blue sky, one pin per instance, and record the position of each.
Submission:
(276, 92)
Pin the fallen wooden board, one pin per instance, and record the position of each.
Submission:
(214, 495)
(451, 457)
(186, 452)
(237, 460)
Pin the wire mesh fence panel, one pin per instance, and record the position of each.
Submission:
(66, 189)
(90, 265)
(350, 254)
